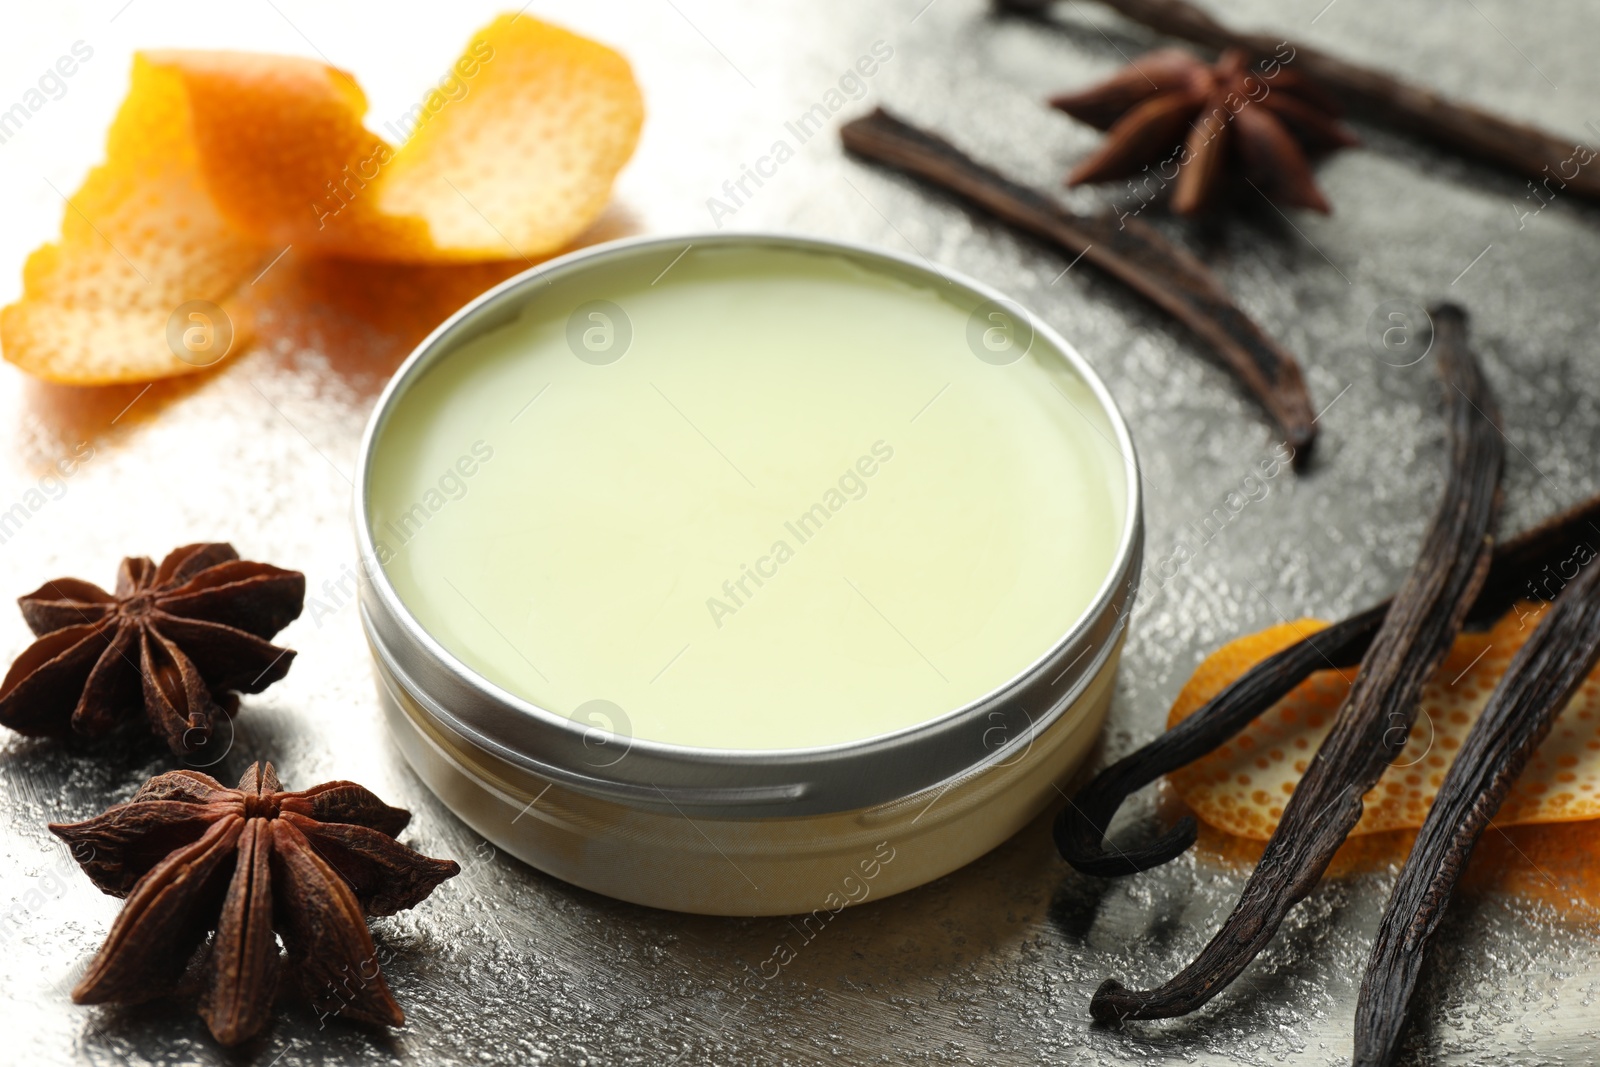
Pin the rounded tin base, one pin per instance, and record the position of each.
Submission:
(762, 865)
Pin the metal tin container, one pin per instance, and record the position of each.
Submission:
(740, 832)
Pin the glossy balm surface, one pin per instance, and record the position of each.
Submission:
(755, 498)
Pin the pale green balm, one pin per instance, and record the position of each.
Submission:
(798, 510)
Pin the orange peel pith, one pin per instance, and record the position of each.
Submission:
(139, 239)
(219, 164)
(1242, 786)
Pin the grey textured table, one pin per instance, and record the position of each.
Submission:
(995, 963)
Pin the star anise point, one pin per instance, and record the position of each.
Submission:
(174, 641)
(1169, 111)
(251, 864)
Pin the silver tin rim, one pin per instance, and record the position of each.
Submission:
(998, 727)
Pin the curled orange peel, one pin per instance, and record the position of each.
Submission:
(218, 165)
(1241, 787)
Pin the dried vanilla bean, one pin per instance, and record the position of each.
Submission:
(1381, 97)
(1541, 679)
(1375, 719)
(1128, 250)
(1080, 829)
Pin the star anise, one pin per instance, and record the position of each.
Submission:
(1188, 123)
(192, 856)
(177, 639)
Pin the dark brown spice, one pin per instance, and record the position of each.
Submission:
(1541, 679)
(1381, 97)
(192, 856)
(1208, 122)
(176, 640)
(1373, 723)
(1128, 250)
(1080, 828)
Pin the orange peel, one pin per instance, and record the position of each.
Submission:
(1241, 787)
(218, 164)
(140, 238)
